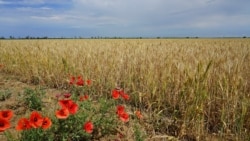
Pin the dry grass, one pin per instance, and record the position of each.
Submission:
(188, 88)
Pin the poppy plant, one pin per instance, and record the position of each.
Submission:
(65, 103)
(6, 114)
(88, 82)
(72, 80)
(4, 124)
(73, 108)
(88, 127)
(124, 95)
(70, 105)
(46, 123)
(124, 117)
(23, 124)
(67, 95)
(80, 81)
(62, 113)
(138, 114)
(115, 94)
(36, 120)
(82, 98)
(120, 109)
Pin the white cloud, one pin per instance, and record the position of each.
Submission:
(48, 18)
(217, 21)
(130, 16)
(4, 2)
(32, 9)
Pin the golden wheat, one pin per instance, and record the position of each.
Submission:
(203, 84)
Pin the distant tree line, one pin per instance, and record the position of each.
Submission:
(27, 37)
(114, 37)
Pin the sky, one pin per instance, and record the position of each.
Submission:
(125, 18)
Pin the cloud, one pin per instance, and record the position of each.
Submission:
(48, 18)
(130, 17)
(4, 2)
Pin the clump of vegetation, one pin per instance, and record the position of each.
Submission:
(5, 94)
(33, 98)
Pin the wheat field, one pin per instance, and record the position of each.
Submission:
(198, 87)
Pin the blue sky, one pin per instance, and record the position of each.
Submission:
(124, 18)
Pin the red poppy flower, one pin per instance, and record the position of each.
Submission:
(67, 95)
(120, 109)
(115, 94)
(124, 117)
(23, 124)
(46, 123)
(70, 105)
(62, 113)
(124, 95)
(88, 127)
(82, 98)
(65, 103)
(6, 114)
(138, 114)
(73, 108)
(4, 124)
(72, 80)
(80, 81)
(36, 120)
(88, 82)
